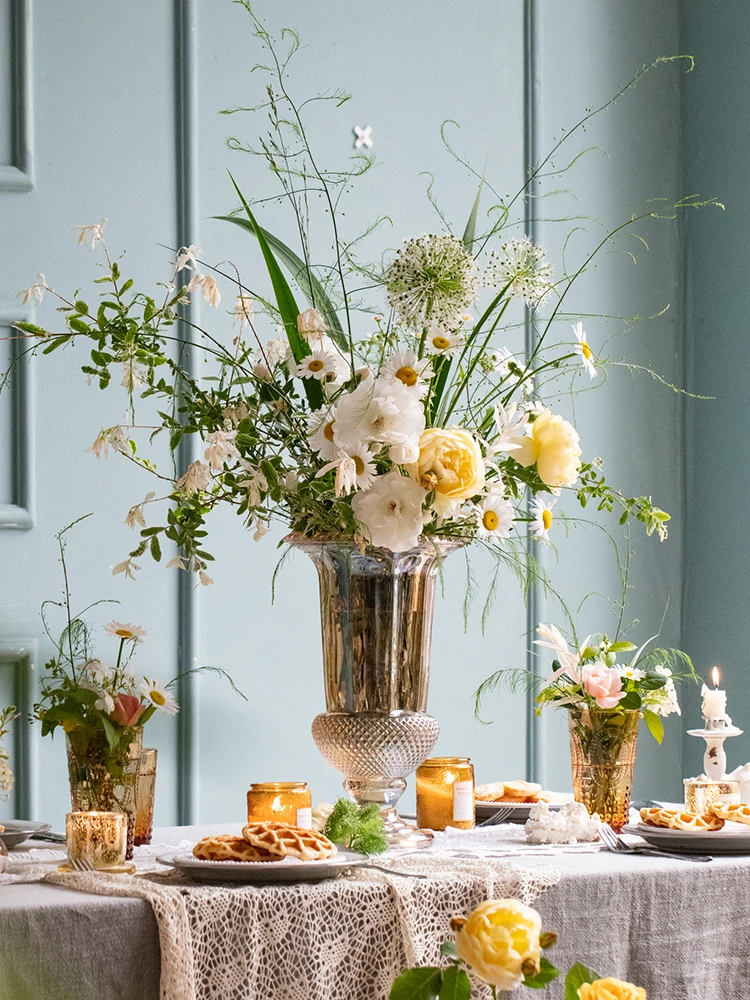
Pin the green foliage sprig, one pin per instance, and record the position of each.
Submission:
(360, 828)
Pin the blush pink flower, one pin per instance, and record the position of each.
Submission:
(604, 684)
(128, 710)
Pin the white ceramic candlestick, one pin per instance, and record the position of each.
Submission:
(714, 733)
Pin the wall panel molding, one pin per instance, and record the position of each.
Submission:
(19, 656)
(18, 175)
(20, 512)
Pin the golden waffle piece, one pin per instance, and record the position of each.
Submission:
(226, 847)
(676, 819)
(734, 812)
(284, 841)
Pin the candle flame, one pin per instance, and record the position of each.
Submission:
(715, 676)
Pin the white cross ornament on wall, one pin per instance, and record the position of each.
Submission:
(363, 137)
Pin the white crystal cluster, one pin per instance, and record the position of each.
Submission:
(571, 825)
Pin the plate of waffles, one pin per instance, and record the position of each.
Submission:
(723, 830)
(518, 796)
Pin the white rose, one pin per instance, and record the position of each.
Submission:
(378, 411)
(391, 512)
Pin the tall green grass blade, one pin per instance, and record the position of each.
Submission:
(471, 226)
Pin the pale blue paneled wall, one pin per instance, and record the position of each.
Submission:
(105, 144)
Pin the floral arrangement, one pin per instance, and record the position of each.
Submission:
(7, 780)
(501, 944)
(385, 421)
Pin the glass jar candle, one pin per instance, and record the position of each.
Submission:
(99, 838)
(445, 793)
(281, 802)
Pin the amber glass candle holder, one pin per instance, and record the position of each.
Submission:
(99, 838)
(445, 793)
(145, 786)
(280, 802)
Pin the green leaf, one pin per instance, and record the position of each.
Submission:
(110, 732)
(468, 237)
(654, 724)
(81, 307)
(417, 984)
(456, 985)
(622, 647)
(631, 700)
(312, 289)
(547, 972)
(37, 331)
(448, 949)
(287, 306)
(155, 548)
(577, 976)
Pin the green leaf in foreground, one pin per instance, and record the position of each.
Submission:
(654, 724)
(577, 976)
(417, 984)
(547, 972)
(456, 985)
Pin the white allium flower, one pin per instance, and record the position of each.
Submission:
(208, 287)
(243, 310)
(111, 437)
(196, 479)
(93, 233)
(155, 693)
(582, 347)
(409, 369)
(221, 448)
(186, 258)
(320, 432)
(311, 325)
(523, 266)
(133, 375)
(34, 293)
(442, 341)
(495, 517)
(381, 411)
(430, 279)
(542, 511)
(391, 512)
(320, 365)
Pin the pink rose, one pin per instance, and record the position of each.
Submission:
(128, 710)
(604, 684)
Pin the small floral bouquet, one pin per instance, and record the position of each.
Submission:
(7, 780)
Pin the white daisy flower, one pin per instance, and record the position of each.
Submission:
(582, 347)
(632, 673)
(442, 341)
(157, 694)
(430, 279)
(319, 365)
(495, 517)
(320, 425)
(523, 267)
(125, 631)
(355, 471)
(542, 522)
(409, 369)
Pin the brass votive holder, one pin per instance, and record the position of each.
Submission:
(145, 786)
(701, 795)
(280, 802)
(97, 838)
(445, 793)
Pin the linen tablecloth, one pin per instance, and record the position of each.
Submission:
(680, 929)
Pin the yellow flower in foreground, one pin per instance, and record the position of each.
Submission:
(552, 443)
(450, 463)
(500, 941)
(611, 989)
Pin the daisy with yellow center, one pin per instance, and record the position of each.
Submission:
(582, 347)
(319, 365)
(495, 518)
(155, 693)
(542, 517)
(411, 371)
(320, 426)
(441, 341)
(127, 632)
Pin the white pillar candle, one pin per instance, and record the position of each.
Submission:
(714, 699)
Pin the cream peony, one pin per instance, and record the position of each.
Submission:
(500, 941)
(450, 463)
(391, 512)
(551, 443)
(610, 989)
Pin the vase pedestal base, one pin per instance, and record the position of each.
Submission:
(386, 792)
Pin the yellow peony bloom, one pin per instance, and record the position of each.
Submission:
(500, 941)
(450, 463)
(552, 443)
(610, 989)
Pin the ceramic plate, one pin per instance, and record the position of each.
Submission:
(18, 830)
(733, 838)
(286, 870)
(520, 811)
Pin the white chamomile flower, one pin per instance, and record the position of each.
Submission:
(319, 365)
(522, 267)
(125, 631)
(495, 517)
(632, 673)
(582, 347)
(355, 471)
(442, 341)
(320, 425)
(156, 694)
(542, 522)
(409, 369)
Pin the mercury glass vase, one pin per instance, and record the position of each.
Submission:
(103, 778)
(602, 753)
(376, 610)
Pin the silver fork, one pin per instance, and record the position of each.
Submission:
(614, 843)
(81, 865)
(498, 817)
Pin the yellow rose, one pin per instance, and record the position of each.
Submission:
(499, 938)
(552, 443)
(611, 989)
(450, 463)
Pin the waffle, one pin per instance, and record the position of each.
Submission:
(226, 847)
(509, 791)
(282, 841)
(676, 819)
(734, 812)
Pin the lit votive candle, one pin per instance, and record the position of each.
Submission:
(445, 793)
(280, 802)
(714, 699)
(97, 837)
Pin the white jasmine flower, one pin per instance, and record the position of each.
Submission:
(176, 563)
(204, 578)
(255, 484)
(521, 265)
(381, 411)
(320, 426)
(243, 310)
(186, 257)
(311, 325)
(407, 368)
(234, 414)
(391, 512)
(442, 341)
(582, 347)
(111, 437)
(135, 514)
(133, 375)
(93, 233)
(208, 287)
(125, 631)
(196, 479)
(127, 566)
(34, 293)
(320, 365)
(155, 693)
(495, 517)
(430, 279)
(542, 522)
(221, 449)
(105, 703)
